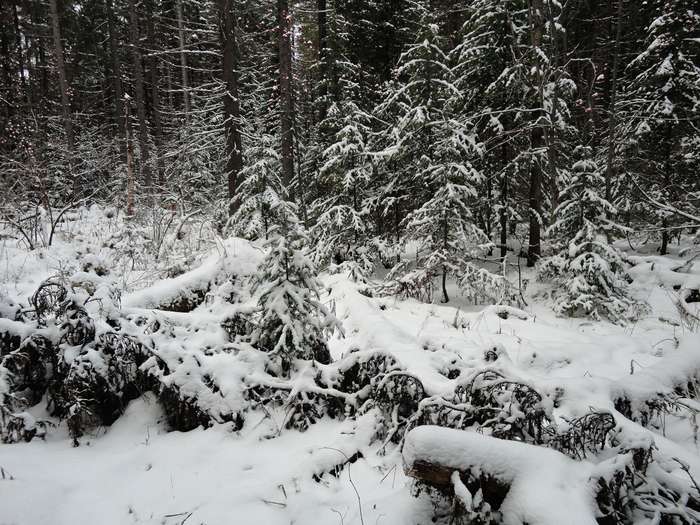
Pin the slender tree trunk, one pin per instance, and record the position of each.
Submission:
(155, 100)
(667, 178)
(322, 58)
(40, 56)
(118, 91)
(445, 297)
(284, 33)
(503, 219)
(488, 210)
(62, 80)
(8, 73)
(183, 60)
(538, 142)
(129, 161)
(535, 204)
(139, 91)
(232, 108)
(23, 73)
(612, 122)
(169, 78)
(550, 132)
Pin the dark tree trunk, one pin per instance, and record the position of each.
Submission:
(232, 109)
(322, 59)
(140, 96)
(664, 237)
(38, 41)
(117, 89)
(503, 219)
(534, 249)
(155, 100)
(7, 103)
(284, 34)
(488, 211)
(129, 145)
(612, 122)
(62, 80)
(183, 61)
(25, 83)
(667, 178)
(445, 231)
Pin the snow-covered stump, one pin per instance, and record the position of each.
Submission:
(495, 480)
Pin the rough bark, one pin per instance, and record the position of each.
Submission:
(284, 35)
(140, 96)
(538, 142)
(7, 104)
(503, 219)
(62, 79)
(232, 109)
(129, 160)
(183, 60)
(322, 58)
(439, 476)
(155, 100)
(22, 70)
(445, 244)
(612, 122)
(117, 88)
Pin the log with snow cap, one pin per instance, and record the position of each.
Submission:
(563, 492)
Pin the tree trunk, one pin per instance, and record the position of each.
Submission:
(62, 80)
(612, 122)
(445, 297)
(538, 142)
(169, 78)
(41, 64)
(284, 34)
(144, 167)
(488, 211)
(667, 180)
(25, 83)
(117, 88)
(129, 161)
(534, 249)
(503, 219)
(8, 72)
(322, 59)
(155, 100)
(232, 108)
(183, 61)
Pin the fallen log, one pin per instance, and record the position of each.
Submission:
(523, 483)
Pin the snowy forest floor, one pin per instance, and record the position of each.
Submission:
(136, 471)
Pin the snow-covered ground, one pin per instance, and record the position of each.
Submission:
(137, 472)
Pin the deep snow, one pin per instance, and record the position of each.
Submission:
(137, 472)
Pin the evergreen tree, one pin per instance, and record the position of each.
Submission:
(293, 323)
(493, 88)
(259, 192)
(662, 111)
(342, 224)
(432, 159)
(589, 269)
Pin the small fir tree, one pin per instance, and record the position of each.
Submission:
(258, 194)
(590, 270)
(342, 224)
(293, 323)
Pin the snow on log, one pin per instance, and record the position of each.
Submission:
(528, 484)
(234, 257)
